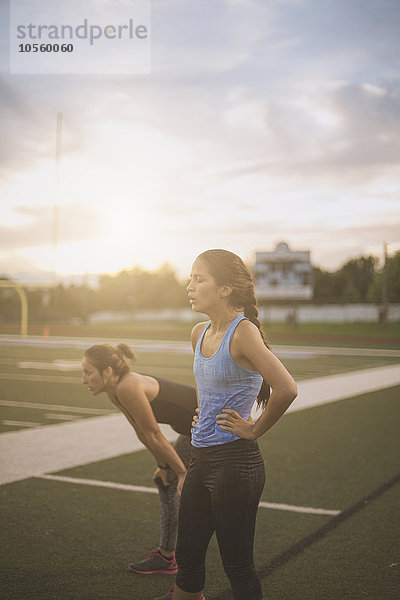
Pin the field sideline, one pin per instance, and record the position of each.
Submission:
(367, 335)
(69, 537)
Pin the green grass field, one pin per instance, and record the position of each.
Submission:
(72, 541)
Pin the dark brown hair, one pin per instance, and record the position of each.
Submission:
(102, 356)
(228, 269)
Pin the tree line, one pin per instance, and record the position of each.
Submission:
(358, 280)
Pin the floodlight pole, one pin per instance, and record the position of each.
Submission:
(55, 203)
(384, 286)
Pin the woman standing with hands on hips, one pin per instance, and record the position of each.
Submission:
(233, 367)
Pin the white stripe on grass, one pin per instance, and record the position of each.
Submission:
(74, 409)
(21, 424)
(71, 365)
(105, 484)
(61, 417)
(60, 379)
(40, 378)
(54, 365)
(299, 509)
(153, 490)
(179, 347)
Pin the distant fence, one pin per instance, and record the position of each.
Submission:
(165, 314)
(275, 313)
(328, 313)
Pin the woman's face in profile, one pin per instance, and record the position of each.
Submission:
(91, 377)
(202, 290)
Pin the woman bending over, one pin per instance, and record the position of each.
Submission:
(146, 401)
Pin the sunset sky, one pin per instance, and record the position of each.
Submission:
(261, 121)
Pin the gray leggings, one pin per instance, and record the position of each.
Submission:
(169, 499)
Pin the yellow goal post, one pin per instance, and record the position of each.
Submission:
(24, 303)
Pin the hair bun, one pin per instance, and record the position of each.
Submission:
(126, 351)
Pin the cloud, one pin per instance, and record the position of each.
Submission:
(349, 39)
(207, 38)
(76, 222)
(271, 52)
(255, 115)
(29, 124)
(337, 131)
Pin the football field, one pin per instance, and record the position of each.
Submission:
(78, 501)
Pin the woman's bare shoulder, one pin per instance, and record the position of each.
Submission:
(130, 383)
(197, 331)
(247, 333)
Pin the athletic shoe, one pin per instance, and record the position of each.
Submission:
(155, 563)
(168, 595)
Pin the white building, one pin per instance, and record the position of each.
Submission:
(283, 274)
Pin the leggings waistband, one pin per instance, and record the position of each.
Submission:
(222, 449)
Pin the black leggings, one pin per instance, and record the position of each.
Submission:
(221, 493)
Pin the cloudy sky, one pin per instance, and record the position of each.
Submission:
(261, 121)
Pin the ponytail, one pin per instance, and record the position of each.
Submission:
(251, 312)
(126, 351)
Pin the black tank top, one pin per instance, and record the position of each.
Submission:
(175, 404)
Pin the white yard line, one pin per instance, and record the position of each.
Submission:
(181, 346)
(52, 448)
(75, 409)
(60, 365)
(20, 423)
(174, 346)
(61, 417)
(62, 379)
(105, 484)
(40, 378)
(153, 490)
(52, 365)
(309, 510)
(283, 351)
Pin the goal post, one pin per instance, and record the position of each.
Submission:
(24, 303)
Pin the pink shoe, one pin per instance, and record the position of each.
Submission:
(155, 563)
(168, 595)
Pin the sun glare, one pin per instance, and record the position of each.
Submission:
(105, 198)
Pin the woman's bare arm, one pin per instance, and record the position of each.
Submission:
(248, 346)
(133, 402)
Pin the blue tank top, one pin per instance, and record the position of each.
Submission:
(221, 383)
